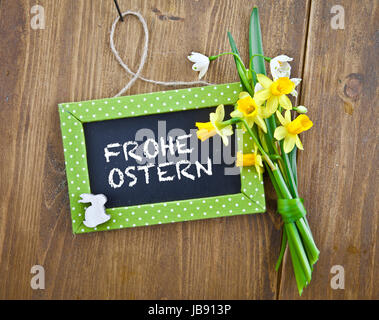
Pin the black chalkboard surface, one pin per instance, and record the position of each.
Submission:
(132, 182)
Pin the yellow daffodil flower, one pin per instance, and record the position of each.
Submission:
(289, 130)
(275, 92)
(251, 159)
(249, 110)
(214, 126)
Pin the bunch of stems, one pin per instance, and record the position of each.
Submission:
(280, 166)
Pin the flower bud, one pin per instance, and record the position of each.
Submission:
(301, 109)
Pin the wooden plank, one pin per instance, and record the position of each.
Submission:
(70, 60)
(338, 174)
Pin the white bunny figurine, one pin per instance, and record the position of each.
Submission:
(95, 214)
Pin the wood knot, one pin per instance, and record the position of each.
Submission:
(353, 86)
(351, 90)
(163, 17)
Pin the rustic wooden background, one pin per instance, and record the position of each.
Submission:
(227, 258)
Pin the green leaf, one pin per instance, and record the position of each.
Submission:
(309, 244)
(301, 279)
(240, 68)
(282, 249)
(256, 47)
(255, 44)
(234, 50)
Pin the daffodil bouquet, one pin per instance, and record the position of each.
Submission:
(265, 111)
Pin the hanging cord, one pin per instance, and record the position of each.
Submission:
(137, 75)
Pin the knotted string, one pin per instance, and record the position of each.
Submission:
(291, 210)
(137, 75)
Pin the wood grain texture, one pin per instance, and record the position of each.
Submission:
(338, 174)
(228, 258)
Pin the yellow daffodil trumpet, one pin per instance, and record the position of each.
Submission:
(245, 159)
(248, 109)
(300, 124)
(215, 126)
(206, 130)
(275, 92)
(289, 130)
(282, 86)
(251, 159)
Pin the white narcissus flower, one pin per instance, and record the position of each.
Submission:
(280, 67)
(201, 63)
(296, 81)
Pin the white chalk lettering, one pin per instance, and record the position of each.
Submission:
(170, 146)
(120, 176)
(131, 152)
(162, 173)
(183, 171)
(180, 145)
(146, 169)
(131, 175)
(180, 169)
(108, 154)
(199, 167)
(146, 149)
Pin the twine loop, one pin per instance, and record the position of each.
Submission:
(137, 75)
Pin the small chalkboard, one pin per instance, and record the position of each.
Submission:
(166, 173)
(143, 154)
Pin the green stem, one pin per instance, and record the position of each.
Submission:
(225, 53)
(292, 161)
(231, 121)
(289, 172)
(253, 135)
(268, 59)
(286, 194)
(294, 237)
(281, 184)
(273, 181)
(256, 140)
(300, 277)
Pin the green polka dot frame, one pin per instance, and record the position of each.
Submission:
(250, 200)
